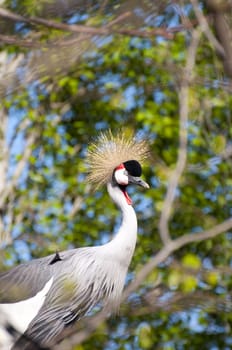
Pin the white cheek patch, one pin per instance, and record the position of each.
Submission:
(121, 177)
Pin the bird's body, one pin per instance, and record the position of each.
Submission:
(77, 279)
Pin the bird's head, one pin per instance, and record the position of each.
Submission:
(127, 173)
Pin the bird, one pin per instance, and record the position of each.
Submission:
(72, 282)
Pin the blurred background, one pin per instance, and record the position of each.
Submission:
(160, 70)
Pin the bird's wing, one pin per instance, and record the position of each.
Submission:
(82, 284)
(53, 320)
(26, 280)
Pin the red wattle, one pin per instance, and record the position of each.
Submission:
(128, 199)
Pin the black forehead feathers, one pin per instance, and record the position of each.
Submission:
(133, 167)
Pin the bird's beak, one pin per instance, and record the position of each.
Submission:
(137, 181)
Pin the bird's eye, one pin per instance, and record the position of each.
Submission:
(121, 176)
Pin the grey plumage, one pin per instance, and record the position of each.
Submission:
(25, 280)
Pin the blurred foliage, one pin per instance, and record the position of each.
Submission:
(128, 82)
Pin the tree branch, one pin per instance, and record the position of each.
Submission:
(222, 31)
(171, 247)
(183, 138)
(208, 234)
(206, 29)
(14, 40)
(85, 29)
(77, 28)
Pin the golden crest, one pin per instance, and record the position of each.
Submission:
(111, 150)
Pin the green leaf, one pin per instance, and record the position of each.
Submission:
(188, 283)
(174, 278)
(145, 337)
(218, 143)
(191, 261)
(212, 278)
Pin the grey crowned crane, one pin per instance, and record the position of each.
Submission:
(72, 282)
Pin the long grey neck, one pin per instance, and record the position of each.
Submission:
(123, 244)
